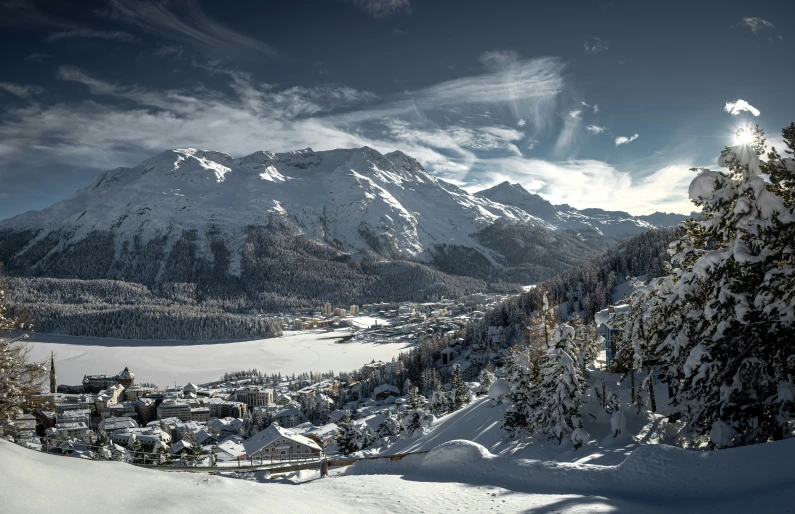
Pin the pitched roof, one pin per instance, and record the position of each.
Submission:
(231, 448)
(262, 439)
(383, 388)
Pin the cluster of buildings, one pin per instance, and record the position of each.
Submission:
(416, 315)
(115, 409)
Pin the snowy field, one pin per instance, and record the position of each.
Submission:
(458, 477)
(166, 362)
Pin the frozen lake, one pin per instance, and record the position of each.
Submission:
(167, 362)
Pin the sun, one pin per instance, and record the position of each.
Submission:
(743, 136)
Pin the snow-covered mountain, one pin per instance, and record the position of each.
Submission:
(613, 224)
(300, 226)
(352, 199)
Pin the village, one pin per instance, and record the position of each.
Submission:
(249, 417)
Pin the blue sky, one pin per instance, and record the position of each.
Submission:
(596, 104)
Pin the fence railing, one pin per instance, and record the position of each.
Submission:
(166, 460)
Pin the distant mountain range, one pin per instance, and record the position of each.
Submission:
(305, 223)
(613, 224)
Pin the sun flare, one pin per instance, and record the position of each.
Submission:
(743, 136)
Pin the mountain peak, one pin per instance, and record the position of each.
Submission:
(615, 224)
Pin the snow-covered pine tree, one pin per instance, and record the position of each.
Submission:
(642, 331)
(348, 439)
(389, 425)
(486, 379)
(415, 420)
(729, 317)
(561, 387)
(20, 379)
(586, 342)
(414, 400)
(539, 336)
(521, 415)
(440, 401)
(458, 388)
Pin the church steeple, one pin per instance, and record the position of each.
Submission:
(53, 386)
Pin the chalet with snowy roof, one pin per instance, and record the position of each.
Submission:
(384, 391)
(323, 435)
(289, 417)
(226, 426)
(180, 447)
(230, 450)
(204, 438)
(337, 415)
(278, 443)
(283, 399)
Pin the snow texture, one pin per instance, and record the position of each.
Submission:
(164, 362)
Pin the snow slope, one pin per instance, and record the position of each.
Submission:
(459, 476)
(164, 362)
(614, 224)
(32, 482)
(758, 478)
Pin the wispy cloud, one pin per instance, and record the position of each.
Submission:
(575, 113)
(756, 24)
(595, 108)
(185, 21)
(20, 90)
(114, 35)
(499, 59)
(623, 140)
(591, 183)
(596, 46)
(521, 123)
(523, 86)
(38, 57)
(453, 128)
(735, 108)
(382, 8)
(595, 129)
(170, 51)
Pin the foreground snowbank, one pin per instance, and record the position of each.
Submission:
(459, 475)
(651, 472)
(32, 482)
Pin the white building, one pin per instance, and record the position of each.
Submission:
(71, 430)
(277, 443)
(255, 396)
(108, 425)
(147, 436)
(174, 409)
(108, 397)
